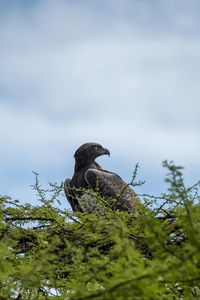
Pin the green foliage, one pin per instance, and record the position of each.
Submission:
(51, 253)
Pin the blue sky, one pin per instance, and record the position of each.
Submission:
(121, 73)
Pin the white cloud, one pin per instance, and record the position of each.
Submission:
(37, 138)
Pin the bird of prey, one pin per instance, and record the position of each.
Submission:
(90, 180)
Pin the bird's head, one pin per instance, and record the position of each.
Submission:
(90, 151)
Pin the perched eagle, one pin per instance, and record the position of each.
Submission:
(90, 180)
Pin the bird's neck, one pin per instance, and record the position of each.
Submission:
(89, 164)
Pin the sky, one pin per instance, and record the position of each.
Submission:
(121, 73)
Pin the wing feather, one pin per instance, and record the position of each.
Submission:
(111, 185)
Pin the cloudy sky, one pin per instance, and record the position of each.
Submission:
(121, 73)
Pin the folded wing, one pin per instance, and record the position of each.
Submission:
(112, 187)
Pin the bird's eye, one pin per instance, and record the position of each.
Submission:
(97, 147)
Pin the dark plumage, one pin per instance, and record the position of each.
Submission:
(88, 175)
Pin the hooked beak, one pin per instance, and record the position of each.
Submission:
(106, 152)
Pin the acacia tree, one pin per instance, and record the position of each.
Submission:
(47, 252)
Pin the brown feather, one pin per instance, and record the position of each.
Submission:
(89, 175)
